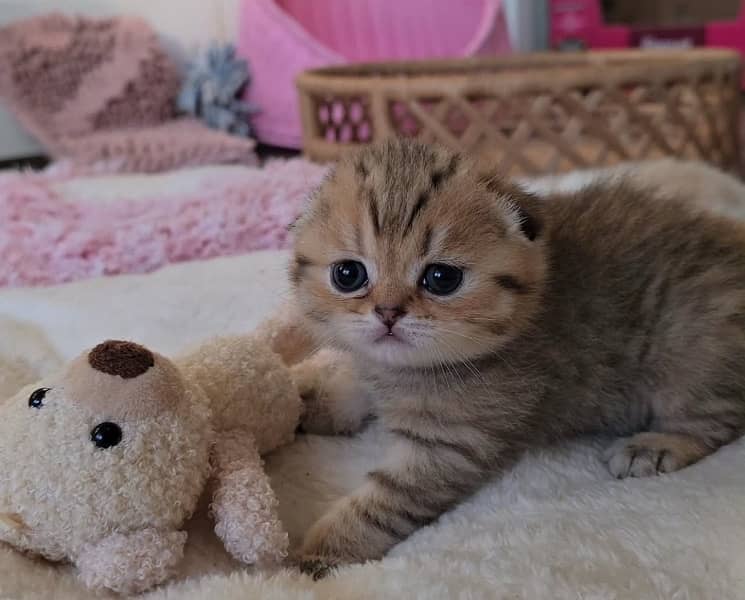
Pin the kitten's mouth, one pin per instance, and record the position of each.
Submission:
(389, 337)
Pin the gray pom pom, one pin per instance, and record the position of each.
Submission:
(212, 90)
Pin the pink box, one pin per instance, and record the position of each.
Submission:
(581, 24)
(282, 38)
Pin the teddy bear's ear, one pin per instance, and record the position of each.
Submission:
(125, 359)
(124, 380)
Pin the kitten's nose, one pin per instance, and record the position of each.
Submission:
(389, 314)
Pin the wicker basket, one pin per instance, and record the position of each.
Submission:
(535, 114)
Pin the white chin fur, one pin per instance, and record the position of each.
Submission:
(393, 353)
(414, 349)
(397, 354)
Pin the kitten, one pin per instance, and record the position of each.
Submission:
(487, 321)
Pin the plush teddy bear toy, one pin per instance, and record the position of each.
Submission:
(102, 464)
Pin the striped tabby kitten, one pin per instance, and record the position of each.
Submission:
(486, 321)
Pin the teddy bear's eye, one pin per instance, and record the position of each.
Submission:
(36, 399)
(106, 435)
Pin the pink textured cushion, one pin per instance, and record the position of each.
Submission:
(180, 143)
(50, 236)
(65, 76)
(88, 89)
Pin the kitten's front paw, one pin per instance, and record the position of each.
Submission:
(316, 416)
(649, 453)
(332, 401)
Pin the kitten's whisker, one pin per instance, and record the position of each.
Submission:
(494, 351)
(466, 362)
(439, 363)
(478, 340)
(447, 367)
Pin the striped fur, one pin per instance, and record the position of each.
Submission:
(609, 311)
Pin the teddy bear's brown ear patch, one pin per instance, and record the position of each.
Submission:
(125, 359)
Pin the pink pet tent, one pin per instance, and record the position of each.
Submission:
(281, 38)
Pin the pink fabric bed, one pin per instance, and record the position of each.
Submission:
(47, 235)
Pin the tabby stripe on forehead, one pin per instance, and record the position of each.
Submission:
(426, 242)
(491, 182)
(437, 179)
(440, 177)
(372, 206)
(420, 204)
(358, 239)
(361, 169)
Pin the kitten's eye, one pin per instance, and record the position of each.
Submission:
(36, 399)
(442, 280)
(348, 276)
(106, 435)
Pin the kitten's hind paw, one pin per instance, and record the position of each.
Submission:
(646, 454)
(316, 566)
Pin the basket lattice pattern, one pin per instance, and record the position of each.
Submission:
(539, 121)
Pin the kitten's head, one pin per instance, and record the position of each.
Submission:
(409, 255)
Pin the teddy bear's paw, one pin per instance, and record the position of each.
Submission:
(131, 563)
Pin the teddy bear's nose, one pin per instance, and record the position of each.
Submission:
(125, 359)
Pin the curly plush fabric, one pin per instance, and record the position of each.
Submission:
(52, 232)
(244, 505)
(115, 504)
(558, 526)
(119, 562)
(90, 89)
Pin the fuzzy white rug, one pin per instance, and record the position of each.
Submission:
(557, 526)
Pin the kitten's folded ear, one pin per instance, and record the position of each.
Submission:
(530, 213)
(524, 208)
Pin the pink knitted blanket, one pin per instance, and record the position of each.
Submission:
(89, 89)
(48, 237)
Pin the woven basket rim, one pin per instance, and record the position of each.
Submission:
(579, 64)
(535, 113)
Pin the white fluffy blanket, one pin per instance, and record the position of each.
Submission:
(557, 526)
